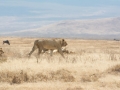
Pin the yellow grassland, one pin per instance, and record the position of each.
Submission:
(94, 65)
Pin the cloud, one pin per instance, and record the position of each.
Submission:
(6, 21)
(96, 13)
(28, 14)
(47, 9)
(13, 23)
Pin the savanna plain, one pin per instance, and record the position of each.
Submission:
(90, 65)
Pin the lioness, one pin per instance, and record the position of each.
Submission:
(1, 52)
(48, 45)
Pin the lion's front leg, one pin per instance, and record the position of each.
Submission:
(60, 51)
(33, 49)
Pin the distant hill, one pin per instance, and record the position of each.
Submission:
(108, 28)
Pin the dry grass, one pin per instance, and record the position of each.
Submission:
(95, 65)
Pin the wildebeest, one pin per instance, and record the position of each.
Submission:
(48, 45)
(7, 42)
(1, 52)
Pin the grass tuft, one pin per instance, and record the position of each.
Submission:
(114, 69)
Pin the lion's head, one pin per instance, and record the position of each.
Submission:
(63, 42)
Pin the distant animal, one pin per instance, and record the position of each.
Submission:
(116, 40)
(48, 45)
(64, 50)
(7, 42)
(1, 52)
(56, 51)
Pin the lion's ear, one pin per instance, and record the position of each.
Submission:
(63, 40)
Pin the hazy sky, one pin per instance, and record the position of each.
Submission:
(26, 14)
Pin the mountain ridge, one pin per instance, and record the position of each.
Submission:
(92, 28)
